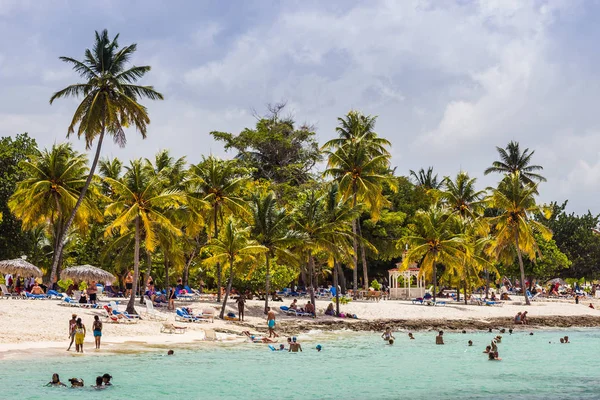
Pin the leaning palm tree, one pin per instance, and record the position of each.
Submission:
(233, 245)
(141, 205)
(434, 239)
(109, 105)
(218, 183)
(271, 229)
(46, 197)
(512, 160)
(514, 228)
(359, 162)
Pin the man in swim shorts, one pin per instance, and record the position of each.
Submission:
(295, 346)
(271, 322)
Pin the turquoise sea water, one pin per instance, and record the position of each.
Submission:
(351, 366)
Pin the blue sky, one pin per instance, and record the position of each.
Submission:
(448, 80)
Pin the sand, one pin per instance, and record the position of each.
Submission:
(43, 324)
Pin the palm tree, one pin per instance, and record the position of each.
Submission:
(271, 229)
(233, 245)
(462, 197)
(141, 204)
(109, 105)
(47, 196)
(426, 180)
(512, 160)
(359, 162)
(434, 240)
(218, 183)
(322, 232)
(514, 228)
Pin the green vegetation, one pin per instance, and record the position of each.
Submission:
(269, 216)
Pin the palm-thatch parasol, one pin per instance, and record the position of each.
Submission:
(87, 273)
(19, 267)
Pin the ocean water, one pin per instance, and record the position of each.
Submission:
(351, 366)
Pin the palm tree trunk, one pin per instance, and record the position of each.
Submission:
(341, 278)
(167, 283)
(363, 255)
(218, 264)
(88, 181)
(355, 255)
(487, 283)
(146, 275)
(186, 270)
(335, 285)
(267, 280)
(311, 271)
(434, 281)
(228, 290)
(521, 268)
(465, 281)
(136, 267)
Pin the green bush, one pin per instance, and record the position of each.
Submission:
(376, 285)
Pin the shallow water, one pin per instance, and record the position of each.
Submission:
(351, 366)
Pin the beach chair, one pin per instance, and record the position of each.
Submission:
(183, 316)
(115, 309)
(532, 298)
(35, 296)
(494, 303)
(7, 294)
(289, 311)
(53, 294)
(170, 328)
(210, 335)
(418, 300)
(69, 302)
(151, 312)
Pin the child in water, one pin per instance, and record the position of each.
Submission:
(387, 335)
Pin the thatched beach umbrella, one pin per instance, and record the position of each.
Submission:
(87, 273)
(19, 267)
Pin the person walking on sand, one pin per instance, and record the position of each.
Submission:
(79, 335)
(72, 323)
(271, 322)
(240, 303)
(97, 329)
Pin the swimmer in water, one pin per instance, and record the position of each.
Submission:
(567, 339)
(391, 342)
(98, 384)
(170, 353)
(487, 349)
(387, 335)
(410, 336)
(76, 382)
(439, 339)
(470, 343)
(55, 381)
(319, 348)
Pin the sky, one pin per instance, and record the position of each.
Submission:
(448, 80)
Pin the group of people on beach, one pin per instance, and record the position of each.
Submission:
(102, 382)
(77, 332)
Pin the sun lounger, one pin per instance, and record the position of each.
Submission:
(418, 300)
(182, 316)
(6, 293)
(210, 335)
(151, 312)
(288, 311)
(53, 294)
(67, 301)
(35, 296)
(170, 328)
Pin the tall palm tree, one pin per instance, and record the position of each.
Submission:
(322, 232)
(426, 180)
(48, 194)
(233, 245)
(219, 184)
(271, 229)
(461, 196)
(359, 162)
(512, 160)
(434, 239)
(141, 204)
(514, 227)
(109, 105)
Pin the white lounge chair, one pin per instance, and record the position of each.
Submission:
(6, 293)
(151, 311)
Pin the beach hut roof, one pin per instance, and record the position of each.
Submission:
(87, 273)
(19, 266)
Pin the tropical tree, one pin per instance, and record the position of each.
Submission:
(140, 206)
(233, 245)
(54, 179)
(434, 239)
(219, 184)
(512, 160)
(271, 229)
(461, 196)
(426, 179)
(359, 162)
(514, 228)
(109, 105)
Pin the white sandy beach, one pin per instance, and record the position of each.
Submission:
(43, 324)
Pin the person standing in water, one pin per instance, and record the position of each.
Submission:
(295, 346)
(439, 339)
(271, 322)
(387, 335)
(55, 381)
(97, 329)
(72, 323)
(79, 335)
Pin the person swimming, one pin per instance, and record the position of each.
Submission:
(319, 348)
(487, 349)
(170, 353)
(106, 379)
(493, 356)
(99, 382)
(567, 339)
(410, 335)
(439, 339)
(510, 331)
(295, 346)
(76, 382)
(562, 340)
(55, 381)
(390, 341)
(470, 342)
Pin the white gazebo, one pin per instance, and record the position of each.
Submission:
(407, 291)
